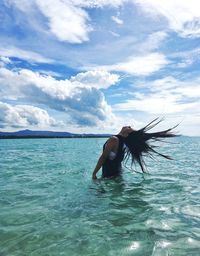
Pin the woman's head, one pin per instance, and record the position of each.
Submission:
(126, 130)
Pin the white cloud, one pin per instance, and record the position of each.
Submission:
(66, 22)
(181, 89)
(69, 21)
(157, 104)
(23, 5)
(114, 34)
(24, 115)
(4, 61)
(96, 78)
(166, 96)
(153, 41)
(126, 120)
(117, 20)
(98, 3)
(186, 58)
(140, 65)
(83, 104)
(23, 54)
(183, 16)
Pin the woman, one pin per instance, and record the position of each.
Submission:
(112, 155)
(137, 146)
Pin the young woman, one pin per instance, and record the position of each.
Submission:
(129, 143)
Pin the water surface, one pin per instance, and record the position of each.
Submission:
(50, 206)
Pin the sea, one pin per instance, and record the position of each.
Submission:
(50, 206)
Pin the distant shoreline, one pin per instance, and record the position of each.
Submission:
(52, 137)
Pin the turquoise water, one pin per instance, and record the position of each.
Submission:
(50, 206)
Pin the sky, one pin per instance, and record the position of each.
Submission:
(93, 66)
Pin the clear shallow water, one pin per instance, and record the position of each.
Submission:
(50, 206)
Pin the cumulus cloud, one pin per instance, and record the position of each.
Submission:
(182, 16)
(84, 104)
(96, 78)
(19, 116)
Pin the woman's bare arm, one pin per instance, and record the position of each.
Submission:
(110, 144)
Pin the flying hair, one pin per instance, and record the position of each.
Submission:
(139, 143)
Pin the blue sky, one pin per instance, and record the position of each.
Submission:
(97, 65)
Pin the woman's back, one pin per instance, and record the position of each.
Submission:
(112, 165)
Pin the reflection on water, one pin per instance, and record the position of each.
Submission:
(50, 206)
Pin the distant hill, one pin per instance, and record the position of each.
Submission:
(46, 134)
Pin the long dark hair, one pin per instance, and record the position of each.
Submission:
(139, 146)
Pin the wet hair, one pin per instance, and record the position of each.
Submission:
(139, 144)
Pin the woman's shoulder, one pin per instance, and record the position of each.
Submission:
(113, 139)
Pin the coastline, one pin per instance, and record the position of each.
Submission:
(53, 137)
